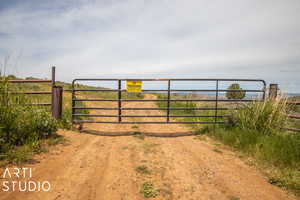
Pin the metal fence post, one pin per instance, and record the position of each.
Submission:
(53, 76)
(119, 100)
(168, 103)
(57, 92)
(273, 90)
(216, 104)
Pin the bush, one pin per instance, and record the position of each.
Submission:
(264, 117)
(233, 94)
(20, 122)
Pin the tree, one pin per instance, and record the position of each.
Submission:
(235, 95)
(11, 77)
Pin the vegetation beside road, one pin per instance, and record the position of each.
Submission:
(26, 129)
(255, 130)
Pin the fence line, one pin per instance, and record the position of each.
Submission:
(56, 93)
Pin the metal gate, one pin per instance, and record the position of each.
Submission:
(169, 118)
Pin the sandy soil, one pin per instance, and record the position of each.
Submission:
(95, 164)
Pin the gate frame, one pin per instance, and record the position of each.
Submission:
(168, 100)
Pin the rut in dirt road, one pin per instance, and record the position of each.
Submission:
(94, 166)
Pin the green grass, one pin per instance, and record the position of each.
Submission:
(16, 155)
(281, 150)
(295, 108)
(217, 150)
(278, 151)
(55, 140)
(294, 123)
(148, 190)
(189, 105)
(149, 147)
(143, 169)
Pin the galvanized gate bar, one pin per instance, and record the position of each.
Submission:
(171, 108)
(168, 101)
(212, 100)
(171, 90)
(92, 115)
(171, 122)
(173, 79)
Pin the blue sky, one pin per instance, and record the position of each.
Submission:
(166, 38)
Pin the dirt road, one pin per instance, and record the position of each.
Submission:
(96, 166)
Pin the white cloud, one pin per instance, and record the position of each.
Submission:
(101, 38)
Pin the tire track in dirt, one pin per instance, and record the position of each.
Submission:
(200, 173)
(119, 181)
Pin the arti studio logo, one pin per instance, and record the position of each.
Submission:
(19, 179)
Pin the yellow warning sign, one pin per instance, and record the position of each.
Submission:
(134, 86)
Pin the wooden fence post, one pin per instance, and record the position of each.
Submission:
(57, 93)
(273, 90)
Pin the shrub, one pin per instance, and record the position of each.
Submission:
(148, 190)
(20, 122)
(264, 117)
(233, 94)
(11, 77)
